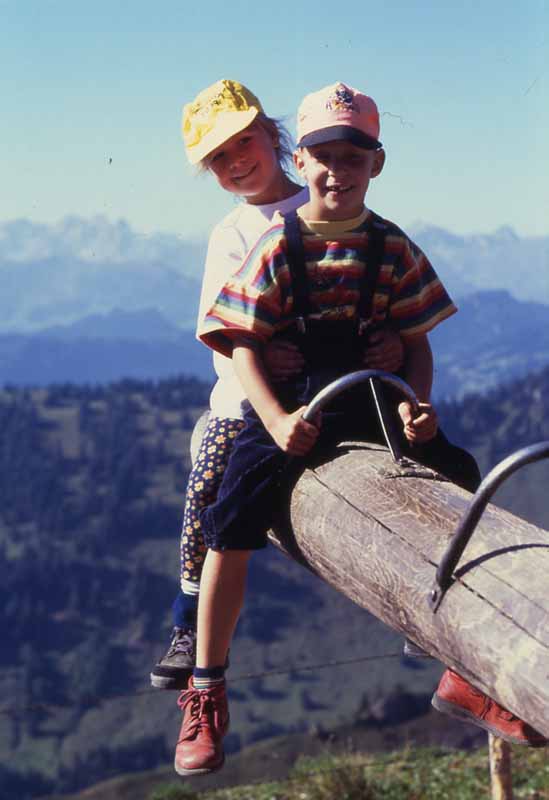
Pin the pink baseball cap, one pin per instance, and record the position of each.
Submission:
(338, 113)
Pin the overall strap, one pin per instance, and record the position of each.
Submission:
(296, 265)
(298, 272)
(376, 250)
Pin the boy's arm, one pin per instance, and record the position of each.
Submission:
(418, 372)
(290, 431)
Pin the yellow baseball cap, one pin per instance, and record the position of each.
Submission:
(216, 114)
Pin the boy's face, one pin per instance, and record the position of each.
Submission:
(338, 174)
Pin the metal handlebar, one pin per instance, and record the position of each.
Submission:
(374, 376)
(350, 380)
(470, 519)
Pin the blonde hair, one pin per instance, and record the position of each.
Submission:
(281, 139)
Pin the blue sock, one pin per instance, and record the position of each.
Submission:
(207, 677)
(184, 610)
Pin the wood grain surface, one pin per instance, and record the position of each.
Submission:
(377, 534)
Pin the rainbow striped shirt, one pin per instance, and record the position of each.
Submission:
(257, 300)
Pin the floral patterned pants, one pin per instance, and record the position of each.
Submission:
(204, 481)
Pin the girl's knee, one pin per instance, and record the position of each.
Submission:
(231, 556)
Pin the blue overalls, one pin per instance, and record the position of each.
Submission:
(258, 470)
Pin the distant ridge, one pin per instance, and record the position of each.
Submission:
(481, 261)
(492, 339)
(145, 324)
(57, 274)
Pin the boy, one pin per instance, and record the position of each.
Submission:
(338, 154)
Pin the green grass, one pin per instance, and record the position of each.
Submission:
(419, 774)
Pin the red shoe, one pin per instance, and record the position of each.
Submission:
(455, 696)
(205, 722)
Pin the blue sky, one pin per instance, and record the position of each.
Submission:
(462, 89)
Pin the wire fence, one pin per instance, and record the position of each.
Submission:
(407, 762)
(16, 711)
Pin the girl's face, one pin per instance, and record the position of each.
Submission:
(247, 165)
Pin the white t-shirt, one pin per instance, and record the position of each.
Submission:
(229, 242)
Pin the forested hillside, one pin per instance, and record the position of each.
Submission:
(496, 424)
(91, 489)
(91, 479)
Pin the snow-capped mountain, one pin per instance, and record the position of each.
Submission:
(57, 274)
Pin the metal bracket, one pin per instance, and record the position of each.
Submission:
(374, 376)
(386, 421)
(469, 521)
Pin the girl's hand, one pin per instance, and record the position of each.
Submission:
(384, 351)
(293, 435)
(421, 428)
(282, 359)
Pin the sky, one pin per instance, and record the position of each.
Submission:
(91, 97)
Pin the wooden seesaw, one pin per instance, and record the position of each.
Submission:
(377, 528)
(389, 533)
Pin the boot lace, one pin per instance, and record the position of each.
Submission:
(199, 710)
(182, 642)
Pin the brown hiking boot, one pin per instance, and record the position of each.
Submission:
(455, 696)
(205, 722)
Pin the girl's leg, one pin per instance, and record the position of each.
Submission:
(235, 521)
(174, 668)
(204, 481)
(222, 595)
(204, 704)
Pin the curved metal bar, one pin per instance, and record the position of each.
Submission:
(465, 529)
(352, 379)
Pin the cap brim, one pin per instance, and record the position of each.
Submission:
(227, 124)
(340, 133)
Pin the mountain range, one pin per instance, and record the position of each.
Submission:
(103, 347)
(499, 260)
(57, 274)
(492, 339)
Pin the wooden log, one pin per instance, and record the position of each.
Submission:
(377, 533)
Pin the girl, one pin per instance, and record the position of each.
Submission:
(227, 133)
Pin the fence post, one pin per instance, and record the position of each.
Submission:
(500, 768)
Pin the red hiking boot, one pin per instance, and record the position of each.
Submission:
(455, 696)
(205, 722)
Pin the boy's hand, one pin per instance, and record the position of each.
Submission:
(292, 434)
(282, 359)
(421, 428)
(384, 351)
